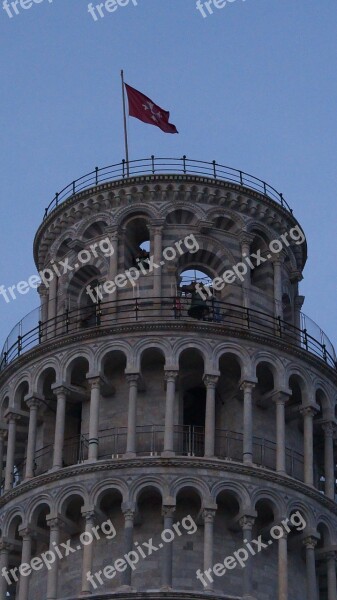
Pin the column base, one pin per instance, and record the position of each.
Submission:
(129, 455)
(168, 454)
(166, 588)
(126, 588)
(53, 469)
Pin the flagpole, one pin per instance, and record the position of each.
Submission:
(125, 129)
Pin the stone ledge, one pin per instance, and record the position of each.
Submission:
(214, 329)
(157, 595)
(175, 462)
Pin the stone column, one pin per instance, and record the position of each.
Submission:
(95, 396)
(246, 240)
(61, 394)
(247, 523)
(329, 462)
(157, 232)
(277, 263)
(210, 383)
(52, 306)
(298, 303)
(129, 516)
(132, 379)
(247, 388)
(283, 567)
(4, 561)
(54, 540)
(208, 516)
(88, 553)
(3, 433)
(331, 571)
(280, 401)
(113, 266)
(43, 293)
(12, 418)
(33, 405)
(170, 378)
(26, 555)
(167, 564)
(310, 544)
(308, 416)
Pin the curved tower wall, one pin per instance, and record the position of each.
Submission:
(134, 410)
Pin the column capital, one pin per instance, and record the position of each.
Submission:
(132, 377)
(308, 411)
(329, 428)
(26, 532)
(113, 231)
(157, 223)
(281, 396)
(171, 375)
(55, 523)
(5, 546)
(311, 541)
(95, 382)
(329, 555)
(248, 384)
(246, 238)
(89, 514)
(208, 515)
(278, 259)
(168, 511)
(210, 381)
(129, 514)
(60, 389)
(296, 277)
(247, 522)
(12, 415)
(33, 402)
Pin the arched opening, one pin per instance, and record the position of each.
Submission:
(287, 309)
(193, 296)
(192, 402)
(40, 544)
(152, 402)
(149, 523)
(113, 408)
(228, 439)
(75, 449)
(137, 246)
(180, 217)
(189, 545)
(294, 426)
(95, 230)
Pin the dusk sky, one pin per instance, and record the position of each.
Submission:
(254, 86)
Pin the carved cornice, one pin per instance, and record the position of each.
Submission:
(215, 330)
(217, 466)
(127, 187)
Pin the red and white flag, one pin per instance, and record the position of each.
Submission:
(141, 107)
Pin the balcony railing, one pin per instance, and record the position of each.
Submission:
(188, 441)
(31, 331)
(162, 166)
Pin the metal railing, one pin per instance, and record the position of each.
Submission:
(189, 440)
(26, 336)
(75, 451)
(162, 166)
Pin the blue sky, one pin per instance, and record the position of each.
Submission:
(253, 86)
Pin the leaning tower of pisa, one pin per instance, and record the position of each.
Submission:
(168, 405)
